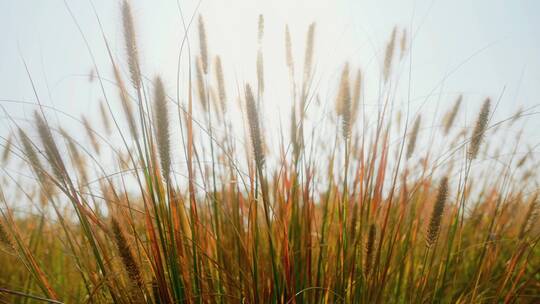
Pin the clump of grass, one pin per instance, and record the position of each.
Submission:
(337, 218)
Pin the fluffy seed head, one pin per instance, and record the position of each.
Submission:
(203, 45)
(128, 260)
(413, 137)
(221, 84)
(479, 129)
(357, 92)
(530, 217)
(436, 214)
(32, 156)
(288, 50)
(7, 150)
(162, 128)
(370, 244)
(310, 42)
(254, 127)
(5, 237)
(389, 55)
(105, 117)
(403, 44)
(261, 28)
(200, 84)
(260, 71)
(451, 116)
(131, 45)
(51, 149)
(343, 102)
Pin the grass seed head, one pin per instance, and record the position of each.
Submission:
(436, 215)
(131, 45)
(220, 84)
(413, 137)
(254, 127)
(128, 260)
(389, 55)
(310, 45)
(203, 45)
(479, 130)
(451, 116)
(162, 127)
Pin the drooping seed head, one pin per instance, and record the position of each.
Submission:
(32, 156)
(51, 149)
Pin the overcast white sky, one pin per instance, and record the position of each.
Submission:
(483, 46)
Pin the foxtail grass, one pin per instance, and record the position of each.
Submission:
(188, 211)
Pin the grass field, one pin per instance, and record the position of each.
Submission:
(164, 199)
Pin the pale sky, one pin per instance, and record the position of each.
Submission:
(475, 47)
